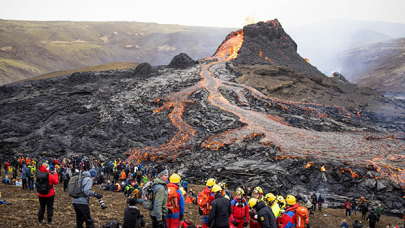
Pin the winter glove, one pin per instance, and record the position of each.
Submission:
(235, 223)
(161, 224)
(181, 217)
(245, 224)
(98, 195)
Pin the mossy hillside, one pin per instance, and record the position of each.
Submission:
(62, 45)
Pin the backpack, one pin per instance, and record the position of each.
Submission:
(75, 186)
(203, 202)
(42, 183)
(112, 224)
(65, 175)
(172, 202)
(301, 217)
(28, 172)
(147, 195)
(185, 224)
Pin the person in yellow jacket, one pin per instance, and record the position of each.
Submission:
(271, 201)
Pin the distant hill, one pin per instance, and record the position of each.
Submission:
(380, 66)
(321, 42)
(32, 48)
(103, 67)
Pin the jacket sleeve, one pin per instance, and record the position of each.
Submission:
(263, 220)
(181, 203)
(158, 204)
(54, 178)
(87, 184)
(247, 212)
(211, 216)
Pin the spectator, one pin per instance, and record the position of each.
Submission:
(379, 210)
(344, 224)
(357, 224)
(348, 207)
(354, 206)
(320, 202)
(47, 200)
(372, 218)
(364, 210)
(132, 215)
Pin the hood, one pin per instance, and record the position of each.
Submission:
(173, 185)
(43, 169)
(207, 190)
(133, 210)
(219, 195)
(86, 174)
(292, 208)
(260, 205)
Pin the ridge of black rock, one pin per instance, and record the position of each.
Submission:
(267, 43)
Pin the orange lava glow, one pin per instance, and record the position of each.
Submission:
(306, 59)
(323, 169)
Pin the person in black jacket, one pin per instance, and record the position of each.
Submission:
(132, 216)
(265, 215)
(372, 218)
(357, 224)
(220, 210)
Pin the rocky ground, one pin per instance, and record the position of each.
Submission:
(24, 209)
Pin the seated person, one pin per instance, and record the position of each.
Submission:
(132, 216)
(18, 182)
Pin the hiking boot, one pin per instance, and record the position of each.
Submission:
(50, 223)
(41, 222)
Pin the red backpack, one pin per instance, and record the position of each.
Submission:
(172, 202)
(203, 202)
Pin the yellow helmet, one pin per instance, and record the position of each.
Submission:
(175, 178)
(211, 182)
(258, 190)
(252, 202)
(280, 199)
(216, 188)
(240, 192)
(270, 197)
(290, 200)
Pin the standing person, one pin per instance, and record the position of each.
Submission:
(220, 210)
(354, 206)
(270, 199)
(24, 177)
(81, 204)
(364, 210)
(287, 219)
(265, 215)
(253, 213)
(175, 203)
(348, 207)
(66, 175)
(314, 201)
(240, 210)
(379, 210)
(138, 178)
(30, 175)
(132, 216)
(320, 202)
(46, 196)
(204, 200)
(372, 218)
(160, 196)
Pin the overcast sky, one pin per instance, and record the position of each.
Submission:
(216, 13)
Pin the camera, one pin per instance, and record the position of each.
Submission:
(102, 204)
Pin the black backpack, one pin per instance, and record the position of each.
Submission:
(112, 224)
(42, 183)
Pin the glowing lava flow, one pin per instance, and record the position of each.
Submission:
(344, 147)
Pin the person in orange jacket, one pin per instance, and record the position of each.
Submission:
(47, 199)
(123, 176)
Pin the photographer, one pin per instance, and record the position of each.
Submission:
(81, 204)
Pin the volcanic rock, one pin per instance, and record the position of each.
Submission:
(267, 43)
(143, 69)
(181, 61)
(339, 77)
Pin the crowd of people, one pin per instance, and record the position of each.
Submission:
(165, 196)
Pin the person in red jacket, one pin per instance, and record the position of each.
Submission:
(240, 210)
(175, 202)
(207, 191)
(47, 199)
(287, 219)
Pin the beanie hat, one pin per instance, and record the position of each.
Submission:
(93, 173)
(161, 171)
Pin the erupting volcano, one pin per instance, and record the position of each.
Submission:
(340, 147)
(201, 116)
